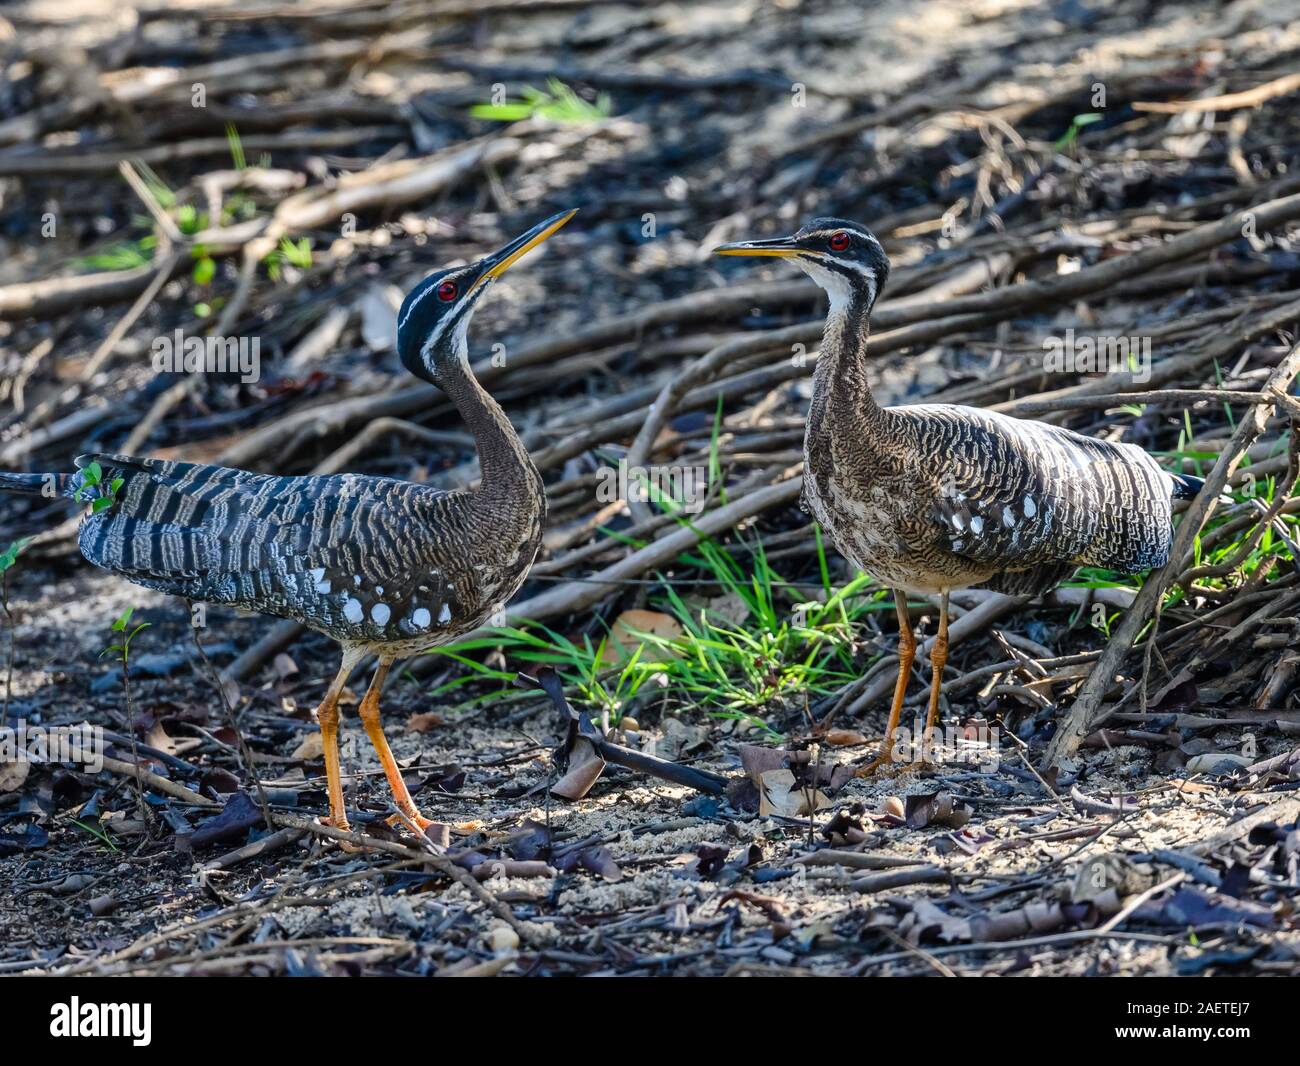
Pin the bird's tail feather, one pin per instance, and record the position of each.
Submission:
(48, 485)
(1186, 486)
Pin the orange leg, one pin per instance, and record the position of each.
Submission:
(906, 653)
(369, 711)
(327, 714)
(938, 660)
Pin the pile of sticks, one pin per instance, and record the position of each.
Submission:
(1172, 218)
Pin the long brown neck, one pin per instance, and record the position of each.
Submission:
(842, 404)
(507, 472)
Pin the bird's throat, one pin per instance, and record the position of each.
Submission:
(507, 471)
(842, 401)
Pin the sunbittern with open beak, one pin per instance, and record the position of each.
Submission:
(385, 567)
(935, 497)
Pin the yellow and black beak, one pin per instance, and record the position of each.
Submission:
(499, 262)
(778, 246)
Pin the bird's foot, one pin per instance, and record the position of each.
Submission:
(342, 824)
(886, 764)
(416, 822)
(409, 818)
(880, 764)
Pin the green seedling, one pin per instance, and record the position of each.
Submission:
(92, 477)
(558, 103)
(1067, 139)
(121, 651)
(7, 561)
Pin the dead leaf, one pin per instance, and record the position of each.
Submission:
(844, 737)
(311, 747)
(284, 666)
(157, 738)
(577, 756)
(424, 722)
(600, 861)
(1216, 762)
(13, 774)
(769, 906)
(449, 779)
(680, 739)
(218, 780)
(1102, 874)
(729, 608)
(891, 807)
(934, 808)
(1193, 906)
(709, 860)
(585, 768)
(968, 841)
(779, 794)
(121, 823)
(756, 759)
(533, 841)
(238, 815)
(438, 834)
(846, 827)
(625, 636)
(742, 794)
(102, 905)
(927, 921)
(597, 860)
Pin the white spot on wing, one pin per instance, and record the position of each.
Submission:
(379, 613)
(1031, 508)
(444, 615)
(976, 524)
(352, 610)
(1008, 517)
(420, 618)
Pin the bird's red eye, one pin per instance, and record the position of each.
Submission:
(447, 291)
(839, 242)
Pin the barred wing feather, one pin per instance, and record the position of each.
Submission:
(1026, 494)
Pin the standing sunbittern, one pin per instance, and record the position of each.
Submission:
(383, 566)
(934, 497)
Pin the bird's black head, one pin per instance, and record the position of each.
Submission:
(844, 258)
(434, 318)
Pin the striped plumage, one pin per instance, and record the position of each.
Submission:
(372, 562)
(383, 566)
(935, 497)
(957, 496)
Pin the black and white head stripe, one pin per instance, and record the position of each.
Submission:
(436, 286)
(436, 311)
(434, 318)
(843, 257)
